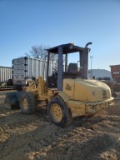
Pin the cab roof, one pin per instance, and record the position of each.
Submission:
(66, 48)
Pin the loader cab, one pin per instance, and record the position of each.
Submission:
(65, 70)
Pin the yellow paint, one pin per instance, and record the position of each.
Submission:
(68, 87)
(64, 96)
(31, 87)
(25, 103)
(93, 108)
(77, 108)
(56, 112)
(41, 85)
(83, 97)
(86, 90)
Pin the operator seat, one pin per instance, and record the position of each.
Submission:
(72, 71)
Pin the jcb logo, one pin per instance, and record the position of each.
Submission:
(68, 87)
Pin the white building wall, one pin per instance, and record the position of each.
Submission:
(99, 73)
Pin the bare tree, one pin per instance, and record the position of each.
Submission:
(39, 52)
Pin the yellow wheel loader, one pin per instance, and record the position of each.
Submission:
(67, 93)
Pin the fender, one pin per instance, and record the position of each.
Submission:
(77, 108)
(64, 96)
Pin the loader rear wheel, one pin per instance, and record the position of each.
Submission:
(59, 112)
(27, 102)
(11, 101)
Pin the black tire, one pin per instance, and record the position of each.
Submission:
(11, 101)
(29, 99)
(66, 117)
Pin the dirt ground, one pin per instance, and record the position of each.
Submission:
(33, 137)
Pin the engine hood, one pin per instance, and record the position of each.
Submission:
(86, 90)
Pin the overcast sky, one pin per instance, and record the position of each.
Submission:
(24, 23)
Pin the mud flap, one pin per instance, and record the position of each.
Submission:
(11, 101)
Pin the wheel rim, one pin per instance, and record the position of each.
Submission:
(56, 112)
(25, 103)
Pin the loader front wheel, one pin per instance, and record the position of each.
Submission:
(27, 102)
(59, 112)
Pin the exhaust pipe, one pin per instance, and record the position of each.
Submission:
(88, 44)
